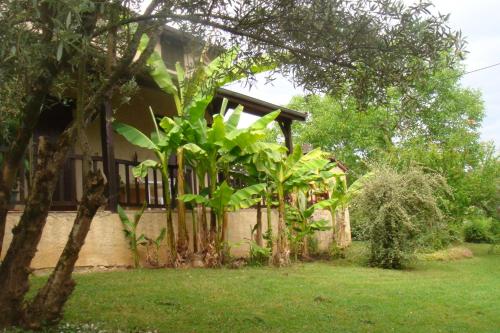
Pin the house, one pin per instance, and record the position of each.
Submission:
(116, 157)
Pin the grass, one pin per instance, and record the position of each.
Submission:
(337, 296)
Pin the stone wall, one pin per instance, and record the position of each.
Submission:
(106, 244)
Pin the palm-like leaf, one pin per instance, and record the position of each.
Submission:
(141, 170)
(134, 136)
(247, 196)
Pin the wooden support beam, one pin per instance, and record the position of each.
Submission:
(108, 156)
(286, 128)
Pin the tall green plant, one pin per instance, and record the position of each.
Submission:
(162, 142)
(192, 94)
(296, 169)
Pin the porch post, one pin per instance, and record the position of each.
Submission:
(286, 128)
(108, 156)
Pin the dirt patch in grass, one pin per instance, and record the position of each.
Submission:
(453, 253)
(84, 269)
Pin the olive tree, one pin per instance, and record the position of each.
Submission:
(52, 46)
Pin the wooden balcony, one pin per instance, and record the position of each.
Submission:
(131, 192)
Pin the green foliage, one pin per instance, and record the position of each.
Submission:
(130, 231)
(259, 255)
(437, 126)
(395, 209)
(153, 258)
(479, 229)
(226, 198)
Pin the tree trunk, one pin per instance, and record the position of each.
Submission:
(202, 219)
(194, 215)
(224, 246)
(282, 255)
(305, 248)
(182, 236)
(172, 255)
(30, 114)
(202, 216)
(269, 222)
(14, 272)
(213, 227)
(258, 234)
(47, 306)
(213, 217)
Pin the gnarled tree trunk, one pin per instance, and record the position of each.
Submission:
(14, 271)
(47, 306)
(17, 150)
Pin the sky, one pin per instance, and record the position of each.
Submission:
(479, 21)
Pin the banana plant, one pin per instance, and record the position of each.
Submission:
(339, 195)
(225, 199)
(224, 146)
(286, 173)
(228, 145)
(155, 243)
(259, 151)
(300, 222)
(163, 142)
(130, 231)
(192, 95)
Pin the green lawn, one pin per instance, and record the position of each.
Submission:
(337, 296)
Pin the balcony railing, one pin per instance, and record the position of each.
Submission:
(132, 192)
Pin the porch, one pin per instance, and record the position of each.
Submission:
(115, 157)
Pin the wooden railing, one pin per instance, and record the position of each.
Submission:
(132, 192)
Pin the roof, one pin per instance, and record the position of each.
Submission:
(259, 107)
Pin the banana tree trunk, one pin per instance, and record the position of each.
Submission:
(182, 238)
(258, 234)
(214, 220)
(305, 248)
(333, 213)
(204, 234)
(47, 306)
(269, 222)
(224, 238)
(194, 214)
(282, 253)
(172, 255)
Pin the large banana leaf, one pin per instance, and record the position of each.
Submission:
(234, 119)
(158, 70)
(221, 197)
(217, 132)
(199, 199)
(261, 123)
(195, 150)
(134, 136)
(247, 196)
(141, 170)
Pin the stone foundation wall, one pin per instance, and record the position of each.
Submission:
(106, 244)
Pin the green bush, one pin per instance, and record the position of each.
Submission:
(395, 210)
(479, 230)
(259, 255)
